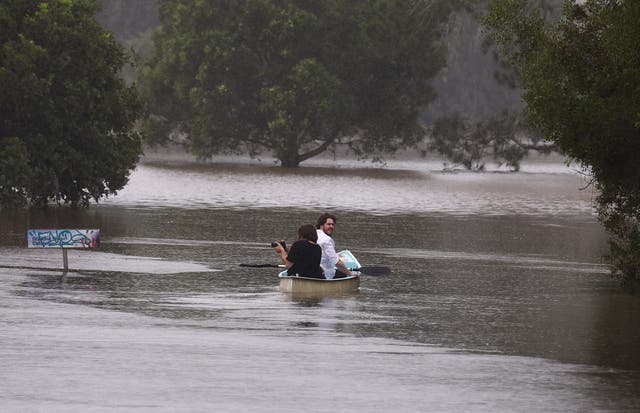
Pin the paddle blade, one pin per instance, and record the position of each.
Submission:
(374, 270)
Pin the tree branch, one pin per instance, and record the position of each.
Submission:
(535, 147)
(317, 150)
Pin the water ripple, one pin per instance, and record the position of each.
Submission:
(371, 190)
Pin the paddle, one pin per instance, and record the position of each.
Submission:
(263, 265)
(373, 270)
(363, 270)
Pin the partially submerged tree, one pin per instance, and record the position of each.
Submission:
(504, 138)
(294, 77)
(66, 116)
(582, 88)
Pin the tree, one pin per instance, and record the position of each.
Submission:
(66, 115)
(581, 77)
(295, 77)
(505, 138)
(14, 172)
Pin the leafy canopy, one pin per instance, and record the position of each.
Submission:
(66, 116)
(295, 77)
(505, 138)
(581, 77)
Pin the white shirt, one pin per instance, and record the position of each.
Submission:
(329, 255)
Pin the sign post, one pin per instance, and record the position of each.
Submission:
(64, 239)
(65, 260)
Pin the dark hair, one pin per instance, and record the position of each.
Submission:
(308, 232)
(323, 218)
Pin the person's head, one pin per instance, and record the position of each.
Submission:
(326, 223)
(308, 232)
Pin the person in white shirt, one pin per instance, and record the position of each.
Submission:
(330, 260)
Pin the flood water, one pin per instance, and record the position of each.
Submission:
(499, 298)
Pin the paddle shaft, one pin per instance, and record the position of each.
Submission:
(263, 265)
(368, 270)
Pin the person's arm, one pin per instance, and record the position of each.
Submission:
(331, 251)
(343, 267)
(283, 255)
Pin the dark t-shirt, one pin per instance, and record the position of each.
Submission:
(305, 257)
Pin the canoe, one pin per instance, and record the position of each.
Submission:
(304, 285)
(316, 286)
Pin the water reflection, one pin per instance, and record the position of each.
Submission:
(317, 300)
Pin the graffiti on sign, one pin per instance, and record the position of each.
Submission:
(63, 238)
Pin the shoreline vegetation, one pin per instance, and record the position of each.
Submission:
(176, 154)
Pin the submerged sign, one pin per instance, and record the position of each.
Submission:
(63, 238)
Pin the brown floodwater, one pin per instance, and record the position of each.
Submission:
(499, 297)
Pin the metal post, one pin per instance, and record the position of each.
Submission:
(65, 260)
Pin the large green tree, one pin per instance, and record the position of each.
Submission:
(295, 77)
(66, 116)
(581, 77)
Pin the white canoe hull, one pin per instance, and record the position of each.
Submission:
(316, 286)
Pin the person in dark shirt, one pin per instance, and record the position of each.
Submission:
(303, 257)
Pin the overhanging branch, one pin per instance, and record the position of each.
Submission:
(317, 150)
(536, 147)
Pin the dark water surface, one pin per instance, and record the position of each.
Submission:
(499, 299)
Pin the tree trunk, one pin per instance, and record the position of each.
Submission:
(289, 163)
(289, 157)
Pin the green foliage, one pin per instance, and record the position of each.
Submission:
(504, 138)
(66, 115)
(582, 82)
(294, 77)
(14, 172)
(620, 213)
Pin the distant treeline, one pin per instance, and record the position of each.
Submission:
(468, 85)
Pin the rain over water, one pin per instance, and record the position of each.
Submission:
(499, 297)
